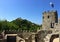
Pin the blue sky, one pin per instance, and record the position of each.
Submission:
(26, 9)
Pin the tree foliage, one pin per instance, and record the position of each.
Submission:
(19, 24)
(5, 25)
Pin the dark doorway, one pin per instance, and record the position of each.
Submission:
(11, 38)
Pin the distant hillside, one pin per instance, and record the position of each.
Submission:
(19, 24)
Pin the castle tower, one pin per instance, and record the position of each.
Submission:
(49, 19)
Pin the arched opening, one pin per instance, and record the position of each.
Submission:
(54, 38)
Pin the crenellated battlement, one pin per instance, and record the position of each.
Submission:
(52, 11)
